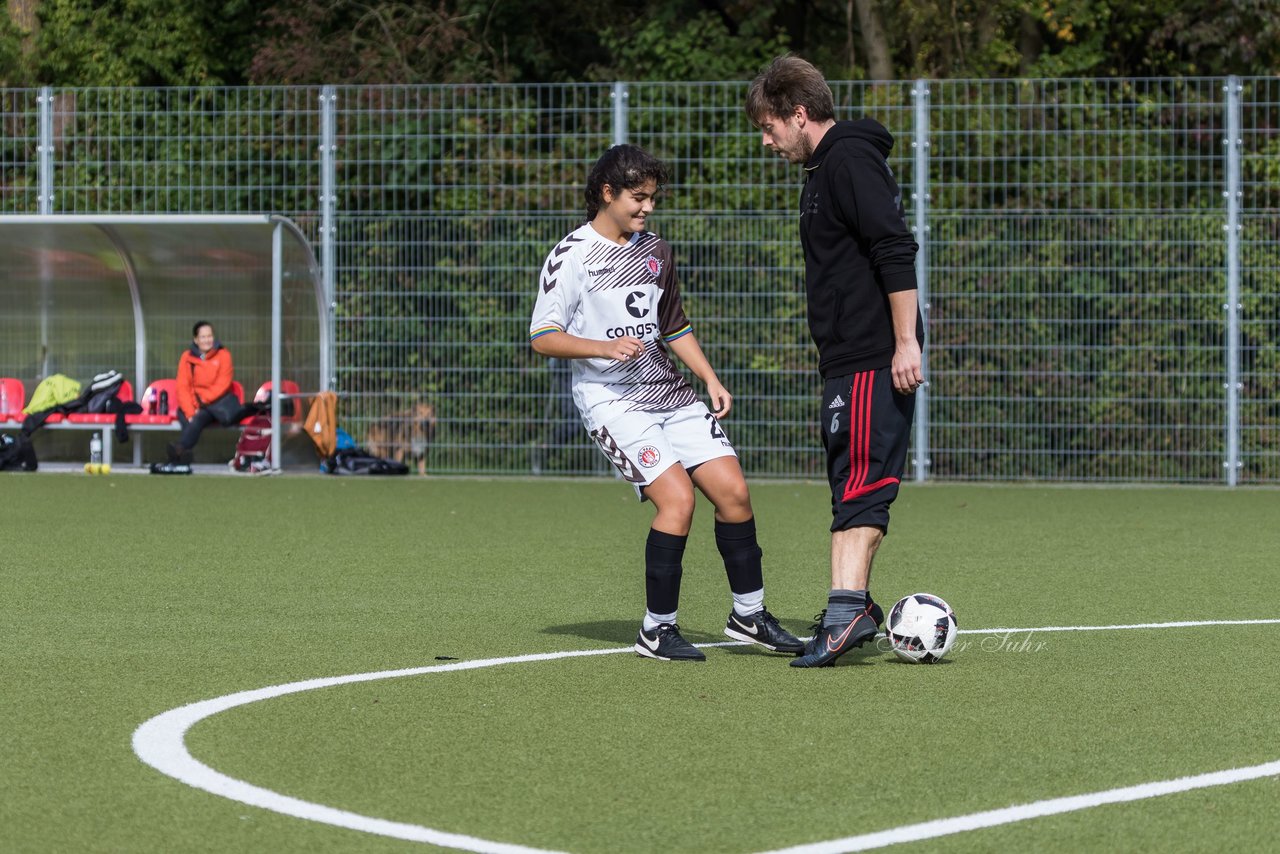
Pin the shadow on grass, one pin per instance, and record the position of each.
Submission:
(612, 631)
(619, 631)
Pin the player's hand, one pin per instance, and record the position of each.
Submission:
(907, 374)
(721, 400)
(624, 349)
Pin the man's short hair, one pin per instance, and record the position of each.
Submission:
(787, 83)
(623, 167)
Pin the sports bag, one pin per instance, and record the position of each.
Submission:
(103, 392)
(253, 448)
(360, 461)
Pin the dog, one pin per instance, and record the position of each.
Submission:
(404, 436)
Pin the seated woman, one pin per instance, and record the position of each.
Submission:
(205, 374)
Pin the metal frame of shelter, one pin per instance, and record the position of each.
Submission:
(240, 231)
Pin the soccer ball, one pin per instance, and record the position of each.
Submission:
(921, 628)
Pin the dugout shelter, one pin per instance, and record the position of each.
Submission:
(87, 293)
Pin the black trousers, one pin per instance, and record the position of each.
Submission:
(192, 429)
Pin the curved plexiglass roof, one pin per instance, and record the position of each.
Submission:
(83, 294)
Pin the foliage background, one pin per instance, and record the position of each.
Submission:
(210, 42)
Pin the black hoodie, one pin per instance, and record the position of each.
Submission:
(857, 248)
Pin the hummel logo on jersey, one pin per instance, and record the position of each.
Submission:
(547, 285)
(837, 403)
(652, 644)
(616, 455)
(749, 629)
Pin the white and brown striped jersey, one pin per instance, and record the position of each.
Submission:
(594, 288)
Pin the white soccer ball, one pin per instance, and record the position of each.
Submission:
(921, 628)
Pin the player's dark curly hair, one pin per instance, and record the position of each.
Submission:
(623, 167)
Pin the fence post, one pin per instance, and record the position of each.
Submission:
(44, 206)
(44, 151)
(620, 95)
(277, 331)
(1232, 306)
(328, 231)
(920, 211)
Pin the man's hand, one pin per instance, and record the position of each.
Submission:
(907, 376)
(622, 349)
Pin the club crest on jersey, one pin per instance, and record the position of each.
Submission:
(648, 456)
(653, 265)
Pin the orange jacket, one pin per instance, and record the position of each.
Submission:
(203, 380)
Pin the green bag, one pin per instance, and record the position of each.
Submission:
(54, 390)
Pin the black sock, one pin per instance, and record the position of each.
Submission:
(663, 554)
(741, 554)
(843, 606)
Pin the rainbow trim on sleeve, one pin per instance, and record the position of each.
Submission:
(538, 333)
(679, 333)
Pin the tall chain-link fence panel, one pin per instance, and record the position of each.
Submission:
(186, 150)
(1099, 257)
(1259, 261)
(447, 200)
(20, 111)
(1077, 270)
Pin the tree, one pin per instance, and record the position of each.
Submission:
(194, 42)
(1216, 37)
(402, 41)
(874, 40)
(391, 41)
(143, 42)
(17, 41)
(1082, 38)
(703, 47)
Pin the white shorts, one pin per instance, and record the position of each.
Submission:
(643, 445)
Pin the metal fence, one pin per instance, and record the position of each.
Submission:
(1099, 258)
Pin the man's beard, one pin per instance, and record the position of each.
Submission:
(803, 150)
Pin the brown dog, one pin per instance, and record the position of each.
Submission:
(404, 436)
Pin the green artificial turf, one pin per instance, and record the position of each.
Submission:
(124, 597)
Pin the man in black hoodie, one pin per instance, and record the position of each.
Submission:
(860, 282)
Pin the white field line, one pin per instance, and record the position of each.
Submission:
(161, 743)
(1185, 624)
(1038, 809)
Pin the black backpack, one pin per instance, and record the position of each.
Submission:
(17, 453)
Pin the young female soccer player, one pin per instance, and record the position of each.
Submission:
(608, 299)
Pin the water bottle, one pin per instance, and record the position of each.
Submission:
(4, 398)
(95, 449)
(164, 403)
